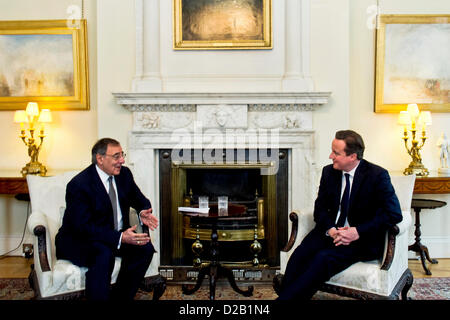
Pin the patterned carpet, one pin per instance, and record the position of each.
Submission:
(422, 289)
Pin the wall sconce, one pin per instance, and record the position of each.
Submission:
(412, 117)
(33, 117)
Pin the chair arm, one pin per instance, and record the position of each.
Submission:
(40, 232)
(393, 233)
(294, 219)
(37, 224)
(390, 250)
(143, 226)
(405, 223)
(36, 218)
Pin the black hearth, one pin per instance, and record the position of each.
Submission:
(259, 200)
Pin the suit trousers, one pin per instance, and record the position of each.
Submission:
(314, 262)
(100, 263)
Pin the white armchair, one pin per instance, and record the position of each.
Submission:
(378, 279)
(51, 278)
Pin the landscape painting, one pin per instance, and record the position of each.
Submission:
(413, 63)
(36, 65)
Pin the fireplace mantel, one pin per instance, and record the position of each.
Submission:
(257, 101)
(157, 116)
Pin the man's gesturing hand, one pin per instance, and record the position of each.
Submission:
(131, 237)
(149, 219)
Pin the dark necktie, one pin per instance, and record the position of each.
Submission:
(113, 198)
(344, 202)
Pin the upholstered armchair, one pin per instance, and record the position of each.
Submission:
(387, 278)
(51, 278)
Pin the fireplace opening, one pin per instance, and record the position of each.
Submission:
(235, 183)
(245, 215)
(257, 209)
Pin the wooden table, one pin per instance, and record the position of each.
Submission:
(214, 269)
(11, 182)
(432, 184)
(418, 205)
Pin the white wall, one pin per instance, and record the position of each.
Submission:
(330, 70)
(116, 65)
(342, 61)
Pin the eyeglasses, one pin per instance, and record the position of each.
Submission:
(117, 155)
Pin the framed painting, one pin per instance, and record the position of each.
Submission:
(44, 61)
(224, 24)
(412, 63)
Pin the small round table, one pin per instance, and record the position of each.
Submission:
(214, 269)
(418, 205)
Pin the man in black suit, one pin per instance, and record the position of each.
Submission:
(96, 225)
(355, 206)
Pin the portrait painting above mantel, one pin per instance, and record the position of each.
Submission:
(412, 64)
(225, 24)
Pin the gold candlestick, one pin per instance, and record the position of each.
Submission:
(411, 117)
(30, 116)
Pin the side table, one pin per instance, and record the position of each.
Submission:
(13, 185)
(214, 269)
(418, 205)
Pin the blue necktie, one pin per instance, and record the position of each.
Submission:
(344, 202)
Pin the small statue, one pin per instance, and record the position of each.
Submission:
(444, 149)
(33, 152)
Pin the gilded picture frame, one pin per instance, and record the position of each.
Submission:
(222, 25)
(44, 61)
(412, 64)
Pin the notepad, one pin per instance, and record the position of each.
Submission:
(194, 210)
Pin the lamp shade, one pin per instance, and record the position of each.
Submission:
(32, 109)
(20, 116)
(45, 116)
(404, 118)
(425, 118)
(413, 110)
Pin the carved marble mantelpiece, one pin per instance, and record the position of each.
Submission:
(162, 111)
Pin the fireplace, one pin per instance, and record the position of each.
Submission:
(231, 132)
(259, 199)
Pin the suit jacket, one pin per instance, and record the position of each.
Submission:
(89, 217)
(373, 205)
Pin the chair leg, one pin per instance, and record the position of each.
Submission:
(277, 283)
(31, 280)
(159, 289)
(156, 283)
(409, 279)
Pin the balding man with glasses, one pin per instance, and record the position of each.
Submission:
(96, 226)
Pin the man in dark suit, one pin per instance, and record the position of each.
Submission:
(96, 226)
(355, 206)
